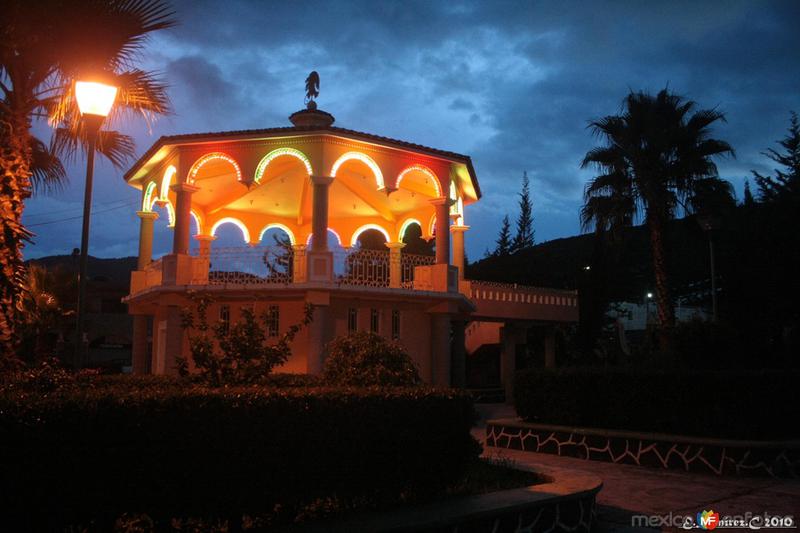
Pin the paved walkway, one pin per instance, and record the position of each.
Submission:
(633, 490)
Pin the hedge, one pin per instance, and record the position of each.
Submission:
(726, 404)
(100, 449)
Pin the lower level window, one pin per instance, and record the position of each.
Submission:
(225, 317)
(352, 320)
(374, 320)
(395, 324)
(273, 320)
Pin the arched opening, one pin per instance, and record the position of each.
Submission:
(371, 230)
(415, 244)
(277, 155)
(357, 160)
(230, 232)
(421, 179)
(334, 241)
(163, 228)
(166, 181)
(371, 239)
(213, 164)
(276, 252)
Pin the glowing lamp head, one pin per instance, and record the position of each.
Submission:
(649, 295)
(95, 98)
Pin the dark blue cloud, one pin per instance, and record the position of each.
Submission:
(511, 83)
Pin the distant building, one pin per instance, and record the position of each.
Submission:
(322, 187)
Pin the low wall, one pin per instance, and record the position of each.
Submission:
(566, 502)
(779, 459)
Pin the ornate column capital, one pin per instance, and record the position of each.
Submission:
(205, 238)
(392, 246)
(458, 227)
(147, 215)
(184, 187)
(441, 201)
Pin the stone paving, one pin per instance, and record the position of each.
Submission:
(633, 490)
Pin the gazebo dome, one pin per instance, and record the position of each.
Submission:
(312, 117)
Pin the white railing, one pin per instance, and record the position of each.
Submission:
(513, 293)
(257, 265)
(365, 268)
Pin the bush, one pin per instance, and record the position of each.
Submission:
(233, 353)
(730, 404)
(366, 359)
(104, 447)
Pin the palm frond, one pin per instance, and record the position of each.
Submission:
(48, 173)
(114, 146)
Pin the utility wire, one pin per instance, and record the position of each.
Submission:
(80, 216)
(74, 209)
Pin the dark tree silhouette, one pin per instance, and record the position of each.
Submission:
(415, 244)
(503, 247)
(524, 237)
(748, 194)
(44, 47)
(654, 155)
(786, 182)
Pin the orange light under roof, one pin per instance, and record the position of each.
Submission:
(95, 98)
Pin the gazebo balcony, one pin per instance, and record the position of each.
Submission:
(264, 266)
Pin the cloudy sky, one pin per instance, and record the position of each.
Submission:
(511, 84)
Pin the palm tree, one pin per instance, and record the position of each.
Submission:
(45, 45)
(656, 157)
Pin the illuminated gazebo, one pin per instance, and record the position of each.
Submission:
(322, 187)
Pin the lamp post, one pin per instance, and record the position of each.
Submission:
(94, 101)
(647, 309)
(710, 225)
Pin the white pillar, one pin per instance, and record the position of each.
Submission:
(458, 248)
(395, 264)
(442, 206)
(146, 220)
(183, 216)
(319, 217)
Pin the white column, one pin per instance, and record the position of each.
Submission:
(395, 264)
(146, 220)
(319, 217)
(183, 216)
(458, 248)
(442, 206)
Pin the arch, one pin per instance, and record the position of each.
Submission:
(236, 222)
(365, 227)
(165, 181)
(211, 157)
(432, 225)
(267, 159)
(275, 225)
(404, 226)
(198, 221)
(148, 198)
(338, 237)
(425, 170)
(170, 214)
(364, 158)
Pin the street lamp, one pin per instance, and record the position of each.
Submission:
(647, 309)
(94, 101)
(710, 225)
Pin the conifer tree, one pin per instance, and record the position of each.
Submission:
(504, 239)
(748, 195)
(786, 183)
(524, 237)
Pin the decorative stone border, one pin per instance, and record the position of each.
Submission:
(565, 502)
(780, 459)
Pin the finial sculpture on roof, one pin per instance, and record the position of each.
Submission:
(312, 89)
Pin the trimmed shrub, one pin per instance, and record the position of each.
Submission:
(725, 404)
(98, 449)
(364, 359)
